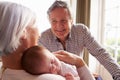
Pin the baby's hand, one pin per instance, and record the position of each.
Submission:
(69, 76)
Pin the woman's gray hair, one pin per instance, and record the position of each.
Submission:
(59, 4)
(14, 18)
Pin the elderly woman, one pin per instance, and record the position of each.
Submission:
(18, 32)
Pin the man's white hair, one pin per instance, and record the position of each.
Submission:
(14, 18)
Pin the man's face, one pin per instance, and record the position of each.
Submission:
(60, 22)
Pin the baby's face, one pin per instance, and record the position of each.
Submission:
(50, 63)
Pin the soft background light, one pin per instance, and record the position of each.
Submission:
(40, 8)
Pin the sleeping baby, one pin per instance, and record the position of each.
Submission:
(39, 60)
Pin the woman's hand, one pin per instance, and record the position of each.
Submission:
(69, 58)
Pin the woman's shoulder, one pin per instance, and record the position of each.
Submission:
(22, 75)
(51, 77)
(12, 74)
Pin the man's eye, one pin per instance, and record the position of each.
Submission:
(54, 21)
(64, 21)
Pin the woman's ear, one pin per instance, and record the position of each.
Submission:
(23, 40)
(24, 36)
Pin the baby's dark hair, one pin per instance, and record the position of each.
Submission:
(29, 57)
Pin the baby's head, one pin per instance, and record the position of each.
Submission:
(38, 60)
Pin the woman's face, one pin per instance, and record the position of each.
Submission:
(60, 22)
(31, 37)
